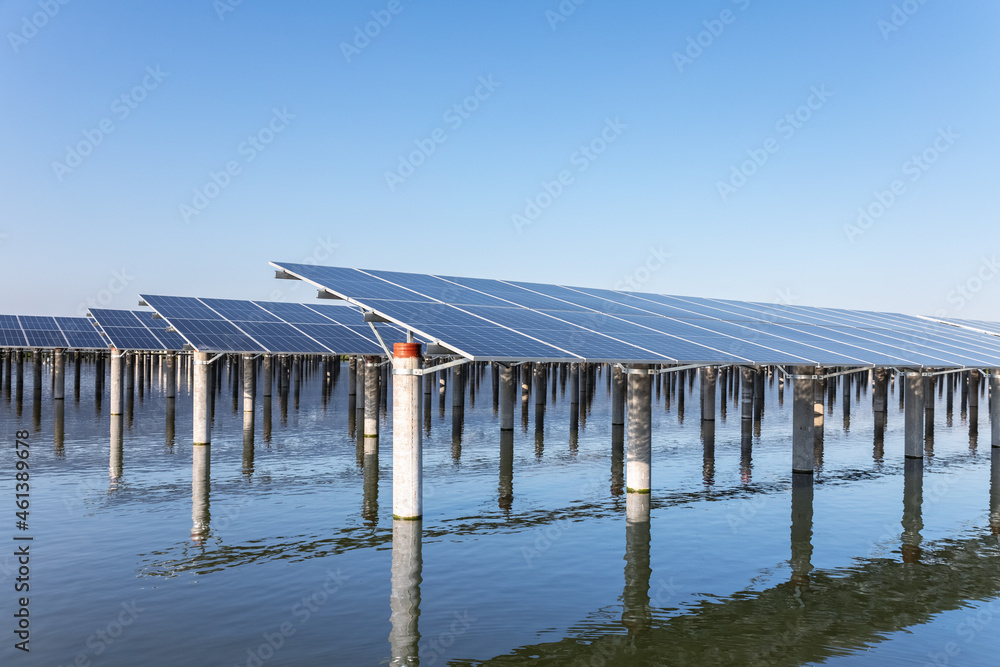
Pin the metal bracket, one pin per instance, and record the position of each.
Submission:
(660, 371)
(792, 376)
(432, 369)
(380, 341)
(956, 370)
(207, 363)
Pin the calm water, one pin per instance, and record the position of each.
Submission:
(525, 554)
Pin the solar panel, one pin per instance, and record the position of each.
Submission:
(229, 325)
(136, 330)
(80, 333)
(11, 334)
(49, 332)
(511, 320)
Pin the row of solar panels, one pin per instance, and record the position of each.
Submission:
(509, 320)
(218, 325)
(513, 321)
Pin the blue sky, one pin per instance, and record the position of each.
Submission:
(715, 148)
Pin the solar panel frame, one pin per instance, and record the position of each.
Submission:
(730, 331)
(49, 332)
(135, 330)
(246, 326)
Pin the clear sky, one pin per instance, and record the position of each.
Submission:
(824, 153)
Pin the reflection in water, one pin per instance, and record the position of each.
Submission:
(171, 420)
(129, 408)
(404, 599)
(248, 453)
(802, 520)
(539, 430)
(352, 416)
(708, 452)
(267, 418)
(878, 453)
(201, 474)
(637, 614)
(746, 452)
(973, 427)
(59, 431)
(428, 417)
(617, 460)
(457, 426)
(913, 495)
(680, 397)
(117, 439)
(995, 491)
(283, 406)
(369, 507)
(506, 488)
(36, 411)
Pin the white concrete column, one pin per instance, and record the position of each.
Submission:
(458, 387)
(202, 422)
(19, 390)
(36, 361)
(359, 389)
(746, 393)
(59, 375)
(640, 425)
(507, 391)
(171, 375)
(880, 390)
(708, 393)
(914, 415)
(618, 379)
(803, 433)
(248, 392)
(574, 384)
(373, 375)
(269, 379)
(973, 389)
(407, 438)
(117, 419)
(995, 406)
(116, 384)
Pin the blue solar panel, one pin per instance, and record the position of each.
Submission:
(49, 332)
(227, 325)
(357, 283)
(42, 331)
(553, 321)
(169, 340)
(202, 327)
(11, 334)
(80, 333)
(134, 330)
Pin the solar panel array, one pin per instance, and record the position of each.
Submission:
(980, 326)
(227, 325)
(136, 330)
(512, 321)
(49, 332)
